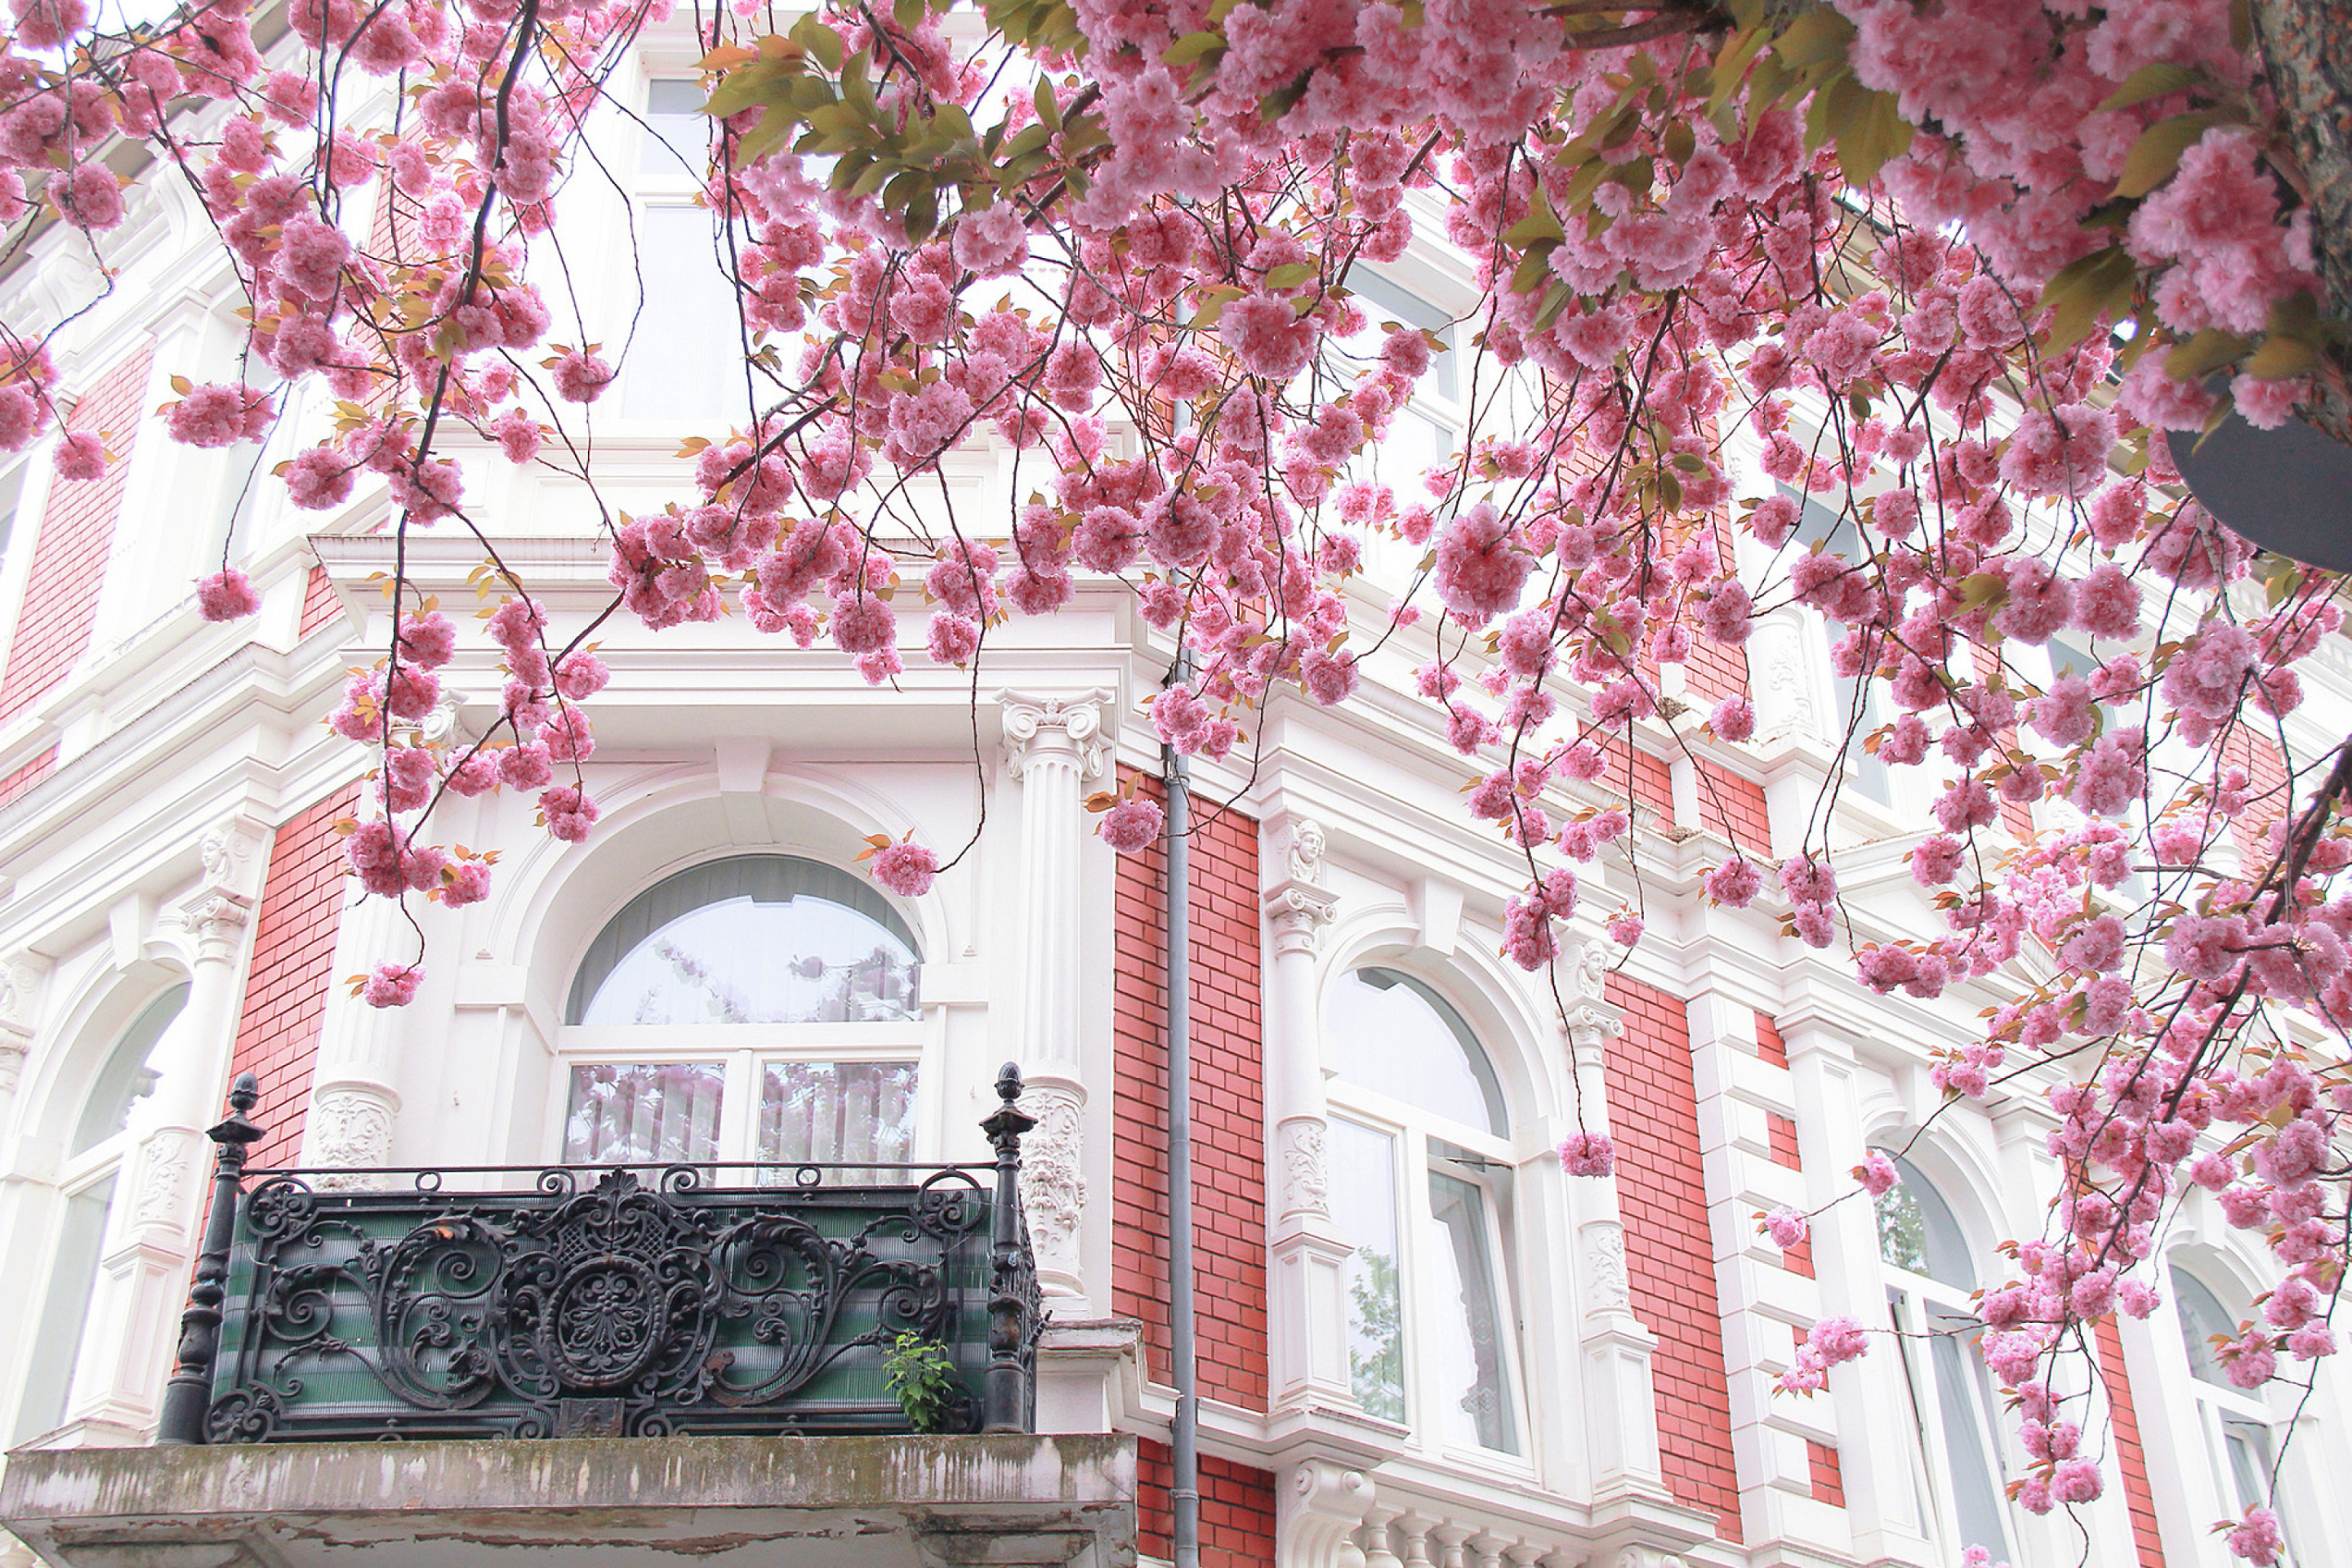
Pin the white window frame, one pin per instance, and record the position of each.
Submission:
(1918, 1304)
(2219, 1406)
(1412, 1130)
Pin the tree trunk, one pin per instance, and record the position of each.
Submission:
(2308, 48)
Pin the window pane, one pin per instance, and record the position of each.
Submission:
(654, 1113)
(126, 1078)
(757, 939)
(1390, 1033)
(1467, 1339)
(73, 1275)
(1918, 1231)
(838, 1113)
(677, 133)
(685, 357)
(1968, 1448)
(2203, 1319)
(1364, 1205)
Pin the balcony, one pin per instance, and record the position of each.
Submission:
(700, 1350)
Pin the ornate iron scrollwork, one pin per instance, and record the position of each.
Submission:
(616, 1307)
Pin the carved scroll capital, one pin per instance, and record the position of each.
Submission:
(1067, 726)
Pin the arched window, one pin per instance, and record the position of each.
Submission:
(91, 1175)
(2236, 1423)
(759, 1007)
(1930, 1276)
(1420, 1166)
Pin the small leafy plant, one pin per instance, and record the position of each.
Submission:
(923, 1379)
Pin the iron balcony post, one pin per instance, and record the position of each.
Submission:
(189, 1393)
(1008, 1398)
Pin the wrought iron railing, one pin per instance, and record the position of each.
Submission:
(600, 1300)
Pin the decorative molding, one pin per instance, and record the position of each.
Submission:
(1605, 1286)
(1306, 1181)
(235, 853)
(1783, 683)
(1038, 726)
(1053, 1182)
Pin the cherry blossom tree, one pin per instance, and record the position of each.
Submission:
(1893, 310)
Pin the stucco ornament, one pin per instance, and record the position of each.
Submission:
(1306, 1181)
(1053, 1179)
(163, 1164)
(1306, 845)
(1605, 1286)
(21, 978)
(351, 1134)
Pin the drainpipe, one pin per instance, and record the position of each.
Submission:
(1184, 1494)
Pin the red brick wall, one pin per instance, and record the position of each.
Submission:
(1236, 1510)
(320, 604)
(1769, 1046)
(2137, 1497)
(26, 777)
(293, 963)
(77, 535)
(1828, 1475)
(1229, 1137)
(1669, 1258)
(1733, 807)
(1633, 772)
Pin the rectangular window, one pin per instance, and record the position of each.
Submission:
(685, 354)
(838, 1113)
(677, 133)
(73, 1276)
(1858, 704)
(627, 1113)
(1364, 1208)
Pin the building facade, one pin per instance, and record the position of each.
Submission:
(1422, 1342)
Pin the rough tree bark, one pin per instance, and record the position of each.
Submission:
(2307, 47)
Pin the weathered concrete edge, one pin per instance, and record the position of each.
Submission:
(884, 1474)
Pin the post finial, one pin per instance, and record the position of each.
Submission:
(1008, 1083)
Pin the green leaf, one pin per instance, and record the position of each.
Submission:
(1192, 46)
(2151, 80)
(2096, 284)
(1816, 37)
(2280, 358)
(2157, 154)
(759, 82)
(1049, 108)
(1292, 274)
(2200, 355)
(1539, 225)
(820, 41)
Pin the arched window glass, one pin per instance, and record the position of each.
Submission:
(91, 1175)
(1392, 1033)
(759, 1009)
(2203, 1319)
(1931, 1278)
(126, 1078)
(755, 939)
(1420, 1185)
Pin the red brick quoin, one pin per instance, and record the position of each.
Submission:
(293, 965)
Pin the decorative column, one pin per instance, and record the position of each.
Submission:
(1052, 744)
(1621, 1411)
(1307, 1306)
(144, 1275)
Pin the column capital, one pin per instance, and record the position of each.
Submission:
(1298, 912)
(216, 921)
(1068, 725)
(21, 980)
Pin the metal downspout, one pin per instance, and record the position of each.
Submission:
(1184, 1493)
